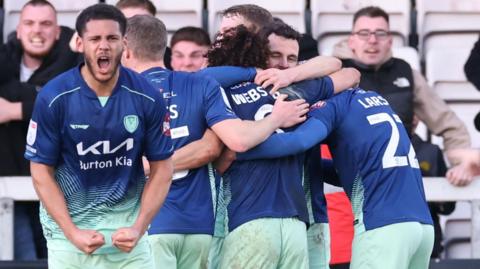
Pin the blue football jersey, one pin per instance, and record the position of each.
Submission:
(374, 158)
(313, 185)
(96, 150)
(195, 104)
(267, 187)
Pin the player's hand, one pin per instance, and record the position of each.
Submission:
(289, 113)
(87, 240)
(276, 77)
(223, 162)
(126, 239)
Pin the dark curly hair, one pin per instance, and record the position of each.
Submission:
(239, 47)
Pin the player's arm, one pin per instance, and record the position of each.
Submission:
(279, 145)
(345, 78)
(153, 196)
(54, 202)
(241, 135)
(198, 153)
(313, 68)
(227, 76)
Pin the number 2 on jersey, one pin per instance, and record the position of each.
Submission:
(389, 159)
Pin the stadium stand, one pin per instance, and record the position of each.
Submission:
(176, 13)
(67, 12)
(457, 232)
(447, 23)
(291, 12)
(444, 71)
(332, 20)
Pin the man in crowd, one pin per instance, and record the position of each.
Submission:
(36, 53)
(189, 48)
(370, 51)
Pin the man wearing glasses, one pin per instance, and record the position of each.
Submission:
(370, 51)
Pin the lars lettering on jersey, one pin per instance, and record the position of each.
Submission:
(373, 101)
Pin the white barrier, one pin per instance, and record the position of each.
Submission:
(437, 189)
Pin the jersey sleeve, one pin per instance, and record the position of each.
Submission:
(331, 112)
(314, 90)
(158, 144)
(279, 145)
(229, 75)
(44, 137)
(216, 105)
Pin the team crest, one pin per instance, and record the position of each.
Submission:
(318, 104)
(131, 123)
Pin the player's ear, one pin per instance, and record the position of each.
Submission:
(79, 44)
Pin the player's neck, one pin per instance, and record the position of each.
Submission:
(101, 88)
(143, 66)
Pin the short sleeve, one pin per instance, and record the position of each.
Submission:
(314, 90)
(44, 137)
(158, 144)
(217, 107)
(332, 111)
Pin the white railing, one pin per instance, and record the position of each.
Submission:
(437, 189)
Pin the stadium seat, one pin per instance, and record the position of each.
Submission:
(447, 23)
(457, 231)
(291, 12)
(177, 13)
(332, 20)
(408, 54)
(444, 71)
(67, 12)
(466, 111)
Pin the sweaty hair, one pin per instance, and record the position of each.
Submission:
(145, 4)
(371, 12)
(239, 47)
(257, 16)
(36, 3)
(192, 34)
(146, 37)
(100, 12)
(279, 28)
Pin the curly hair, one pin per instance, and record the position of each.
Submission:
(239, 47)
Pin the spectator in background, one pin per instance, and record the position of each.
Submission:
(189, 47)
(370, 51)
(37, 54)
(131, 8)
(472, 69)
(432, 164)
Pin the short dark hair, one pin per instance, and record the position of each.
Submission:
(100, 12)
(279, 28)
(256, 15)
(371, 12)
(192, 34)
(146, 37)
(145, 4)
(239, 46)
(39, 3)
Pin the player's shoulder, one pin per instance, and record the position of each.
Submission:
(136, 84)
(63, 84)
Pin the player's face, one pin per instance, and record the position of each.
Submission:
(188, 56)
(283, 52)
(231, 20)
(371, 41)
(38, 30)
(102, 44)
(132, 11)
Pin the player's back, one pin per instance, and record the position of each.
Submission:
(195, 103)
(267, 187)
(374, 158)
